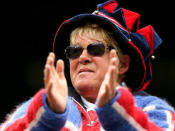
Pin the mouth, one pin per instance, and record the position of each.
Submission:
(85, 70)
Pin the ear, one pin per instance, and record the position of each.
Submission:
(124, 64)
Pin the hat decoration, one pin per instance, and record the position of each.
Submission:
(138, 43)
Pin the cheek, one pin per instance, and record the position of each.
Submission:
(102, 67)
(73, 67)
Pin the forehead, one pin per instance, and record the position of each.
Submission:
(85, 39)
(88, 32)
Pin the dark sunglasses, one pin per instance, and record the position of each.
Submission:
(94, 49)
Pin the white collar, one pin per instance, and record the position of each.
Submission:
(87, 104)
(91, 106)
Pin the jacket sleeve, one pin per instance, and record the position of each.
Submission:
(124, 113)
(35, 115)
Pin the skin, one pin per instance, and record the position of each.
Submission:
(92, 68)
(99, 83)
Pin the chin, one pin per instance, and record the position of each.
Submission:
(86, 89)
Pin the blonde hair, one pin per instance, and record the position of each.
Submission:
(91, 31)
(96, 32)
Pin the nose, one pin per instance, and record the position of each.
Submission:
(85, 58)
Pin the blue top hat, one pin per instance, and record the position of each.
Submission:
(139, 44)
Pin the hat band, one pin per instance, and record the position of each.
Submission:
(111, 19)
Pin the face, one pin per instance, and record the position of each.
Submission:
(87, 72)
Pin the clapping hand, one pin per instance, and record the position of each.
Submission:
(55, 84)
(108, 87)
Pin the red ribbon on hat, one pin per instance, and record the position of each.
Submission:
(148, 33)
(110, 6)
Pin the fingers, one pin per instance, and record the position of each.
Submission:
(60, 68)
(102, 98)
(47, 69)
(55, 84)
(108, 88)
(113, 69)
(46, 74)
(49, 63)
(50, 72)
(50, 59)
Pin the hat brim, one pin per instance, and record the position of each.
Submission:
(136, 72)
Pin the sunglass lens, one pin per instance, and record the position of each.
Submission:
(73, 52)
(96, 49)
